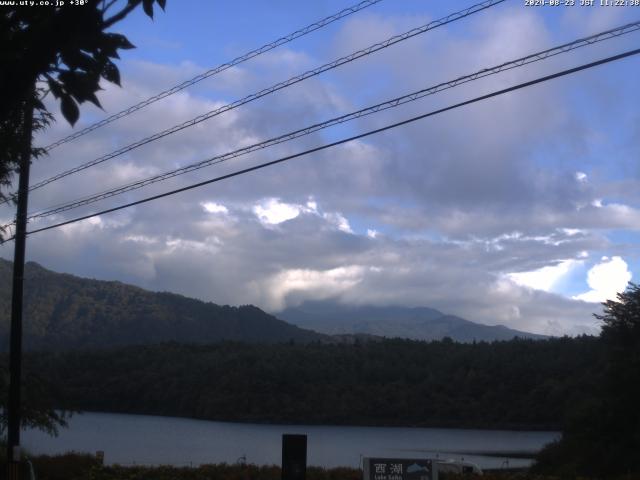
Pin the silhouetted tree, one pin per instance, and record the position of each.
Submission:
(64, 51)
(37, 408)
(621, 415)
(68, 50)
(602, 435)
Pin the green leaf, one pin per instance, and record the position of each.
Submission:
(81, 85)
(75, 59)
(38, 105)
(117, 41)
(69, 109)
(55, 88)
(147, 6)
(91, 97)
(110, 72)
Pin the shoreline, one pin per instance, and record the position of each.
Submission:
(381, 424)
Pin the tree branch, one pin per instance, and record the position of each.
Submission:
(121, 14)
(107, 6)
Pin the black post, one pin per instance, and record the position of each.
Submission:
(294, 457)
(15, 348)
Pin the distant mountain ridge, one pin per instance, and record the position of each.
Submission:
(62, 311)
(418, 323)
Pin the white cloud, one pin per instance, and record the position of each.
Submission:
(606, 279)
(208, 245)
(273, 212)
(312, 205)
(86, 225)
(140, 239)
(505, 199)
(212, 207)
(339, 221)
(544, 278)
(315, 284)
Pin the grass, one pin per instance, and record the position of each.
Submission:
(75, 466)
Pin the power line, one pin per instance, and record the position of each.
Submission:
(220, 68)
(349, 139)
(535, 57)
(279, 86)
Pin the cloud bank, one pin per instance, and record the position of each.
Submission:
(496, 212)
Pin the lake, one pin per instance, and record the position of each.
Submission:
(150, 440)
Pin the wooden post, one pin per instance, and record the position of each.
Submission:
(294, 457)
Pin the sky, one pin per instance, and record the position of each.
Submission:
(521, 210)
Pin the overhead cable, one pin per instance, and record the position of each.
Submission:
(279, 86)
(535, 57)
(345, 140)
(214, 71)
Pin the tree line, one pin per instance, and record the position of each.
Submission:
(589, 387)
(510, 384)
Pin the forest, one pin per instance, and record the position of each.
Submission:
(518, 384)
(587, 387)
(68, 312)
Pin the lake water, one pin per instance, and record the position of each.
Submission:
(149, 440)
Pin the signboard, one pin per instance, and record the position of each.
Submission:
(399, 469)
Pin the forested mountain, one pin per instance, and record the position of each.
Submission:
(515, 384)
(64, 312)
(420, 323)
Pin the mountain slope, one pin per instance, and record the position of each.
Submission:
(64, 312)
(419, 323)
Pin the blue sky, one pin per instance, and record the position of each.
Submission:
(522, 210)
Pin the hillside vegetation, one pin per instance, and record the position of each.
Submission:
(416, 323)
(516, 384)
(66, 312)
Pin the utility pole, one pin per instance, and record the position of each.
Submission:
(15, 348)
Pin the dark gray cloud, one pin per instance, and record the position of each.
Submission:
(459, 201)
